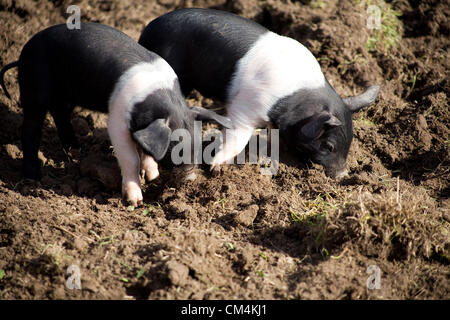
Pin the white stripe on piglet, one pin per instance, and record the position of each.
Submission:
(133, 87)
(275, 67)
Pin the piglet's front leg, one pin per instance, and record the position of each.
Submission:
(243, 116)
(235, 141)
(131, 190)
(128, 158)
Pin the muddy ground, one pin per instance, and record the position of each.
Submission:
(243, 235)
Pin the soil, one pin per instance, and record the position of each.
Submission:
(239, 234)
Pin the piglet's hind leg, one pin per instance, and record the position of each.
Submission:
(149, 167)
(31, 137)
(62, 117)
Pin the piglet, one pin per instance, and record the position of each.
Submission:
(103, 69)
(263, 77)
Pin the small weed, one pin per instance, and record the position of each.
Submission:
(295, 216)
(260, 273)
(362, 119)
(213, 288)
(318, 4)
(140, 273)
(56, 253)
(149, 208)
(324, 252)
(313, 210)
(342, 68)
(230, 246)
(339, 256)
(2, 274)
(221, 202)
(94, 234)
(107, 240)
(122, 263)
(388, 35)
(413, 81)
(264, 256)
(323, 59)
(102, 241)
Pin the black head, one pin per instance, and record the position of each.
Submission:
(153, 121)
(318, 124)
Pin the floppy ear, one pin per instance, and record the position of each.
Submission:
(205, 114)
(315, 125)
(356, 103)
(154, 139)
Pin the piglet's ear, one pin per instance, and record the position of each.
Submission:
(356, 103)
(154, 139)
(316, 125)
(205, 114)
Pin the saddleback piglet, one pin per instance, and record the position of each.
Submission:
(263, 77)
(103, 69)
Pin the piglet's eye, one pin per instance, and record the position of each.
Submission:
(328, 146)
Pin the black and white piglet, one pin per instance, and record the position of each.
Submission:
(263, 77)
(101, 68)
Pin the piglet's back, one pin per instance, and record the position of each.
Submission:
(94, 56)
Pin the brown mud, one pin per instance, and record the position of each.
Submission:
(243, 235)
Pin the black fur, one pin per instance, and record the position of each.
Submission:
(78, 67)
(155, 138)
(161, 104)
(61, 68)
(202, 46)
(331, 146)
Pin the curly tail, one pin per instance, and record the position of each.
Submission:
(2, 73)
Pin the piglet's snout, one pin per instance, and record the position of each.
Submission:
(342, 174)
(337, 173)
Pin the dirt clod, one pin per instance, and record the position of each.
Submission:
(247, 216)
(13, 151)
(177, 273)
(80, 126)
(234, 233)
